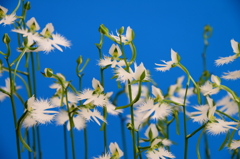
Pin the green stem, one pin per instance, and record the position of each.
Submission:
(227, 116)
(65, 140)
(18, 130)
(185, 122)
(18, 5)
(123, 136)
(198, 145)
(136, 98)
(12, 89)
(198, 129)
(71, 125)
(85, 129)
(35, 93)
(104, 127)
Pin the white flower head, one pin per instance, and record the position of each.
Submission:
(229, 106)
(115, 51)
(62, 117)
(235, 144)
(207, 89)
(124, 38)
(33, 25)
(157, 93)
(221, 126)
(47, 31)
(226, 60)
(115, 150)
(41, 111)
(139, 71)
(168, 64)
(104, 156)
(7, 88)
(8, 19)
(231, 75)
(159, 153)
(87, 114)
(3, 11)
(97, 86)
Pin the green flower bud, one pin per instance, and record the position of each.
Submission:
(102, 29)
(27, 5)
(79, 60)
(121, 30)
(48, 72)
(6, 39)
(129, 126)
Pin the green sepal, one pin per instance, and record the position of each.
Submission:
(143, 75)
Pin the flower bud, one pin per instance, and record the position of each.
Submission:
(79, 60)
(48, 72)
(27, 6)
(6, 39)
(129, 126)
(102, 29)
(121, 30)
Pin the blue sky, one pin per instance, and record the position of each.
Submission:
(158, 26)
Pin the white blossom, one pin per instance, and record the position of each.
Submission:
(167, 65)
(226, 60)
(231, 75)
(159, 153)
(220, 126)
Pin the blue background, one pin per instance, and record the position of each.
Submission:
(158, 26)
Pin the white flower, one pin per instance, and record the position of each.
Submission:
(7, 88)
(204, 113)
(226, 60)
(8, 19)
(78, 120)
(115, 150)
(231, 75)
(123, 75)
(39, 111)
(47, 44)
(114, 61)
(88, 114)
(221, 126)
(160, 110)
(151, 132)
(229, 106)
(235, 144)
(3, 10)
(104, 156)
(168, 64)
(33, 25)
(159, 153)
(125, 38)
(207, 89)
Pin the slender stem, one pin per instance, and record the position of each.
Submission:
(185, 123)
(198, 145)
(35, 93)
(12, 89)
(18, 5)
(85, 129)
(71, 125)
(123, 136)
(104, 108)
(227, 116)
(198, 129)
(65, 140)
